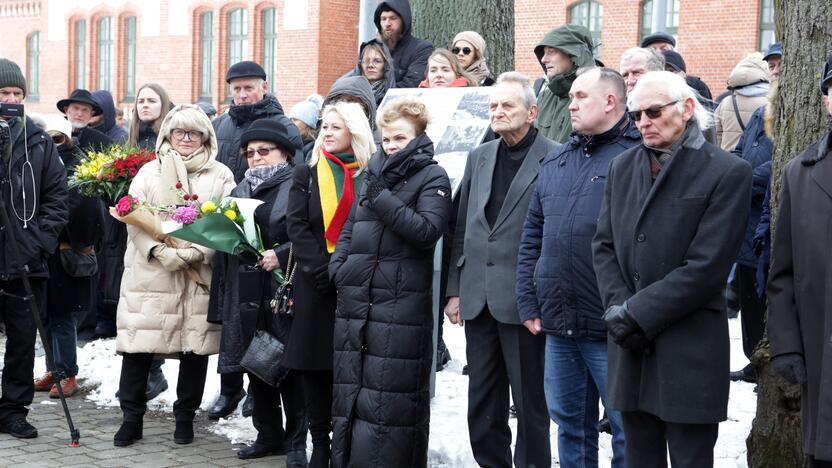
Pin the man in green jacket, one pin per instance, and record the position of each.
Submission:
(561, 53)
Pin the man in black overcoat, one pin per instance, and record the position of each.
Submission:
(671, 224)
(800, 291)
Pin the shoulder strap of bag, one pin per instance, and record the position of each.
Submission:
(737, 111)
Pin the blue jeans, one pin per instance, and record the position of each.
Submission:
(574, 378)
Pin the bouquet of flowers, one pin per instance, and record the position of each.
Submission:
(108, 173)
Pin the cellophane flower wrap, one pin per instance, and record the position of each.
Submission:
(108, 173)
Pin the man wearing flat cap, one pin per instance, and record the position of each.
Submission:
(659, 40)
(79, 109)
(800, 303)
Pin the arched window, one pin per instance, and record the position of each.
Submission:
(589, 14)
(659, 15)
(80, 30)
(105, 53)
(129, 32)
(33, 66)
(268, 18)
(237, 35)
(767, 35)
(206, 54)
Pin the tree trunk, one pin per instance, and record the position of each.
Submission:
(440, 21)
(806, 33)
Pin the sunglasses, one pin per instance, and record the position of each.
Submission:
(464, 50)
(652, 112)
(263, 152)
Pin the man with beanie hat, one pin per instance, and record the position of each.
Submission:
(800, 305)
(561, 53)
(410, 55)
(250, 101)
(37, 213)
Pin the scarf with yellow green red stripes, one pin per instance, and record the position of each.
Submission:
(338, 189)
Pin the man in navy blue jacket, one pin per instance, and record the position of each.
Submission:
(557, 293)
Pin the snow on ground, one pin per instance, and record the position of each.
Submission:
(449, 446)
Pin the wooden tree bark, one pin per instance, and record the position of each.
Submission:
(440, 21)
(805, 29)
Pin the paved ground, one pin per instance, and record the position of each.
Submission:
(97, 426)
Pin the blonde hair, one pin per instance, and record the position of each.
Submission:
(411, 109)
(361, 137)
(188, 117)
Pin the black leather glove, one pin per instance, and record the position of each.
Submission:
(620, 325)
(375, 185)
(790, 366)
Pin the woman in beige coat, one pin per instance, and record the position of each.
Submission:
(749, 84)
(161, 310)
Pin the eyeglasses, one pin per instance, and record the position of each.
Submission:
(465, 50)
(376, 61)
(652, 112)
(261, 151)
(180, 134)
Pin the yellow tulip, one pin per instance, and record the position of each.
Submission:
(230, 214)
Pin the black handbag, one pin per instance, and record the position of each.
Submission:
(283, 301)
(264, 357)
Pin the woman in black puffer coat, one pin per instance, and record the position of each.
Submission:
(383, 271)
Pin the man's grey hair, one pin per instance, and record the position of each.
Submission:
(653, 59)
(611, 78)
(529, 99)
(676, 89)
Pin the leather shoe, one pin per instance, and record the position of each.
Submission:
(746, 374)
(156, 384)
(225, 405)
(68, 385)
(296, 459)
(44, 382)
(258, 450)
(19, 428)
(128, 433)
(102, 331)
(184, 432)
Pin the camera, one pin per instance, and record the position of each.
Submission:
(11, 110)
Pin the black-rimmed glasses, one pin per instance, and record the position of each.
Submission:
(180, 134)
(652, 112)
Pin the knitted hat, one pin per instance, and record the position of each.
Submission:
(658, 37)
(473, 38)
(245, 69)
(268, 130)
(674, 60)
(307, 111)
(207, 107)
(10, 75)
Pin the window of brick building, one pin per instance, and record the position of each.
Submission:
(237, 35)
(659, 15)
(269, 28)
(129, 31)
(80, 54)
(105, 53)
(33, 66)
(589, 14)
(767, 36)
(206, 49)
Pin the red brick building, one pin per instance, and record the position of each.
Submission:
(186, 45)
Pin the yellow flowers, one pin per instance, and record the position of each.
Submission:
(91, 167)
(209, 207)
(230, 214)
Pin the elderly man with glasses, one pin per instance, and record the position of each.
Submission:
(671, 224)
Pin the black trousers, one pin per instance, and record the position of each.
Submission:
(132, 385)
(503, 356)
(267, 416)
(752, 311)
(649, 438)
(812, 463)
(317, 386)
(19, 358)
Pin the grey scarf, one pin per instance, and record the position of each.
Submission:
(257, 175)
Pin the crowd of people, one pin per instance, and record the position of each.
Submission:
(619, 206)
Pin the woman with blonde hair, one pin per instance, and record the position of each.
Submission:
(445, 71)
(322, 194)
(162, 310)
(469, 48)
(383, 270)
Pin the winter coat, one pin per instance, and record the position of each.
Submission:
(159, 311)
(108, 125)
(483, 261)
(555, 277)
(310, 342)
(553, 119)
(90, 139)
(45, 208)
(702, 89)
(383, 270)
(147, 137)
(748, 83)
(762, 242)
(665, 248)
(358, 87)
(755, 147)
(239, 290)
(389, 79)
(231, 125)
(410, 57)
(799, 293)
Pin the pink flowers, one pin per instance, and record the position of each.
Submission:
(185, 214)
(126, 204)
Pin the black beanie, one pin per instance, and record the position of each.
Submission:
(245, 69)
(10, 75)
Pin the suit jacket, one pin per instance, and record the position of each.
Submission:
(666, 248)
(484, 259)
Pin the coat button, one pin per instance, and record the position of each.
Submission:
(569, 332)
(636, 276)
(641, 237)
(490, 263)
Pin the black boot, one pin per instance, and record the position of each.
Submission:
(128, 433)
(225, 405)
(156, 382)
(259, 450)
(296, 459)
(184, 432)
(248, 405)
(320, 457)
